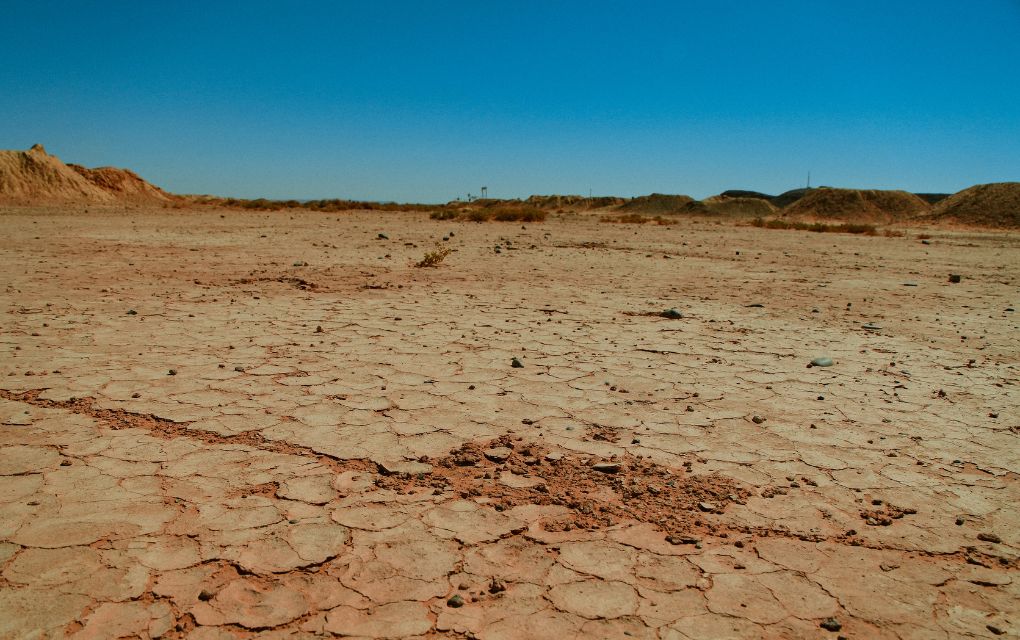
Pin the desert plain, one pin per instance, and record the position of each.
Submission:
(227, 424)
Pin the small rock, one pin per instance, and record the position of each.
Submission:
(831, 624)
(497, 454)
(757, 419)
(383, 236)
(606, 467)
(909, 284)
(554, 457)
(707, 507)
(672, 314)
(496, 586)
(955, 277)
(994, 629)
(132, 312)
(172, 372)
(926, 242)
(239, 369)
(989, 537)
(871, 326)
(516, 363)
(756, 305)
(823, 361)
(455, 601)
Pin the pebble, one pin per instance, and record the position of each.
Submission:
(516, 363)
(606, 467)
(989, 537)
(707, 507)
(132, 312)
(871, 326)
(955, 277)
(672, 314)
(757, 419)
(831, 624)
(755, 305)
(554, 457)
(455, 601)
(383, 236)
(909, 284)
(822, 362)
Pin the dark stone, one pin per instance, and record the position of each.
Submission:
(455, 601)
(831, 624)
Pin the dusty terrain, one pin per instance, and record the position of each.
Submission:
(227, 424)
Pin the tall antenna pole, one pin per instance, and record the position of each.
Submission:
(808, 179)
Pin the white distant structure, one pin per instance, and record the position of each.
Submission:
(485, 192)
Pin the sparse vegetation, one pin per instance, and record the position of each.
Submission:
(521, 213)
(637, 218)
(817, 227)
(434, 258)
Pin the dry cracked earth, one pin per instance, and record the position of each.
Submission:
(226, 425)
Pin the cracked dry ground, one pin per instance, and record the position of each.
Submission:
(344, 448)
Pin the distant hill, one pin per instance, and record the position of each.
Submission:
(989, 205)
(36, 177)
(660, 203)
(857, 205)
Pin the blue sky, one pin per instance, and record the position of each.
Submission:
(427, 101)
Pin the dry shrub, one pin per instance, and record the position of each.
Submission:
(817, 227)
(433, 258)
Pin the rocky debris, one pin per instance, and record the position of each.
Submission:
(671, 314)
(955, 278)
(823, 361)
(757, 419)
(516, 363)
(871, 326)
(985, 536)
(595, 496)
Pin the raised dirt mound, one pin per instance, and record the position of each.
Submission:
(751, 207)
(659, 203)
(988, 205)
(36, 177)
(858, 205)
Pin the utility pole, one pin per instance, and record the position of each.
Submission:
(808, 179)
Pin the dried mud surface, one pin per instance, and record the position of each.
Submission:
(230, 425)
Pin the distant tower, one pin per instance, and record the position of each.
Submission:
(808, 179)
(485, 192)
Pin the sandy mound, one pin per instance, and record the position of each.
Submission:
(858, 205)
(988, 205)
(753, 207)
(34, 177)
(659, 203)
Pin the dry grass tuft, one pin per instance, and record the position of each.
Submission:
(817, 227)
(434, 258)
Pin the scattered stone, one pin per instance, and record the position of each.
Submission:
(554, 456)
(909, 284)
(383, 236)
(496, 586)
(497, 454)
(831, 624)
(757, 419)
(172, 372)
(606, 467)
(455, 601)
(132, 312)
(516, 363)
(672, 314)
(989, 537)
(756, 305)
(823, 361)
(707, 507)
(955, 277)
(994, 629)
(871, 326)
(300, 263)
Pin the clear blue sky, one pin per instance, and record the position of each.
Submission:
(428, 100)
